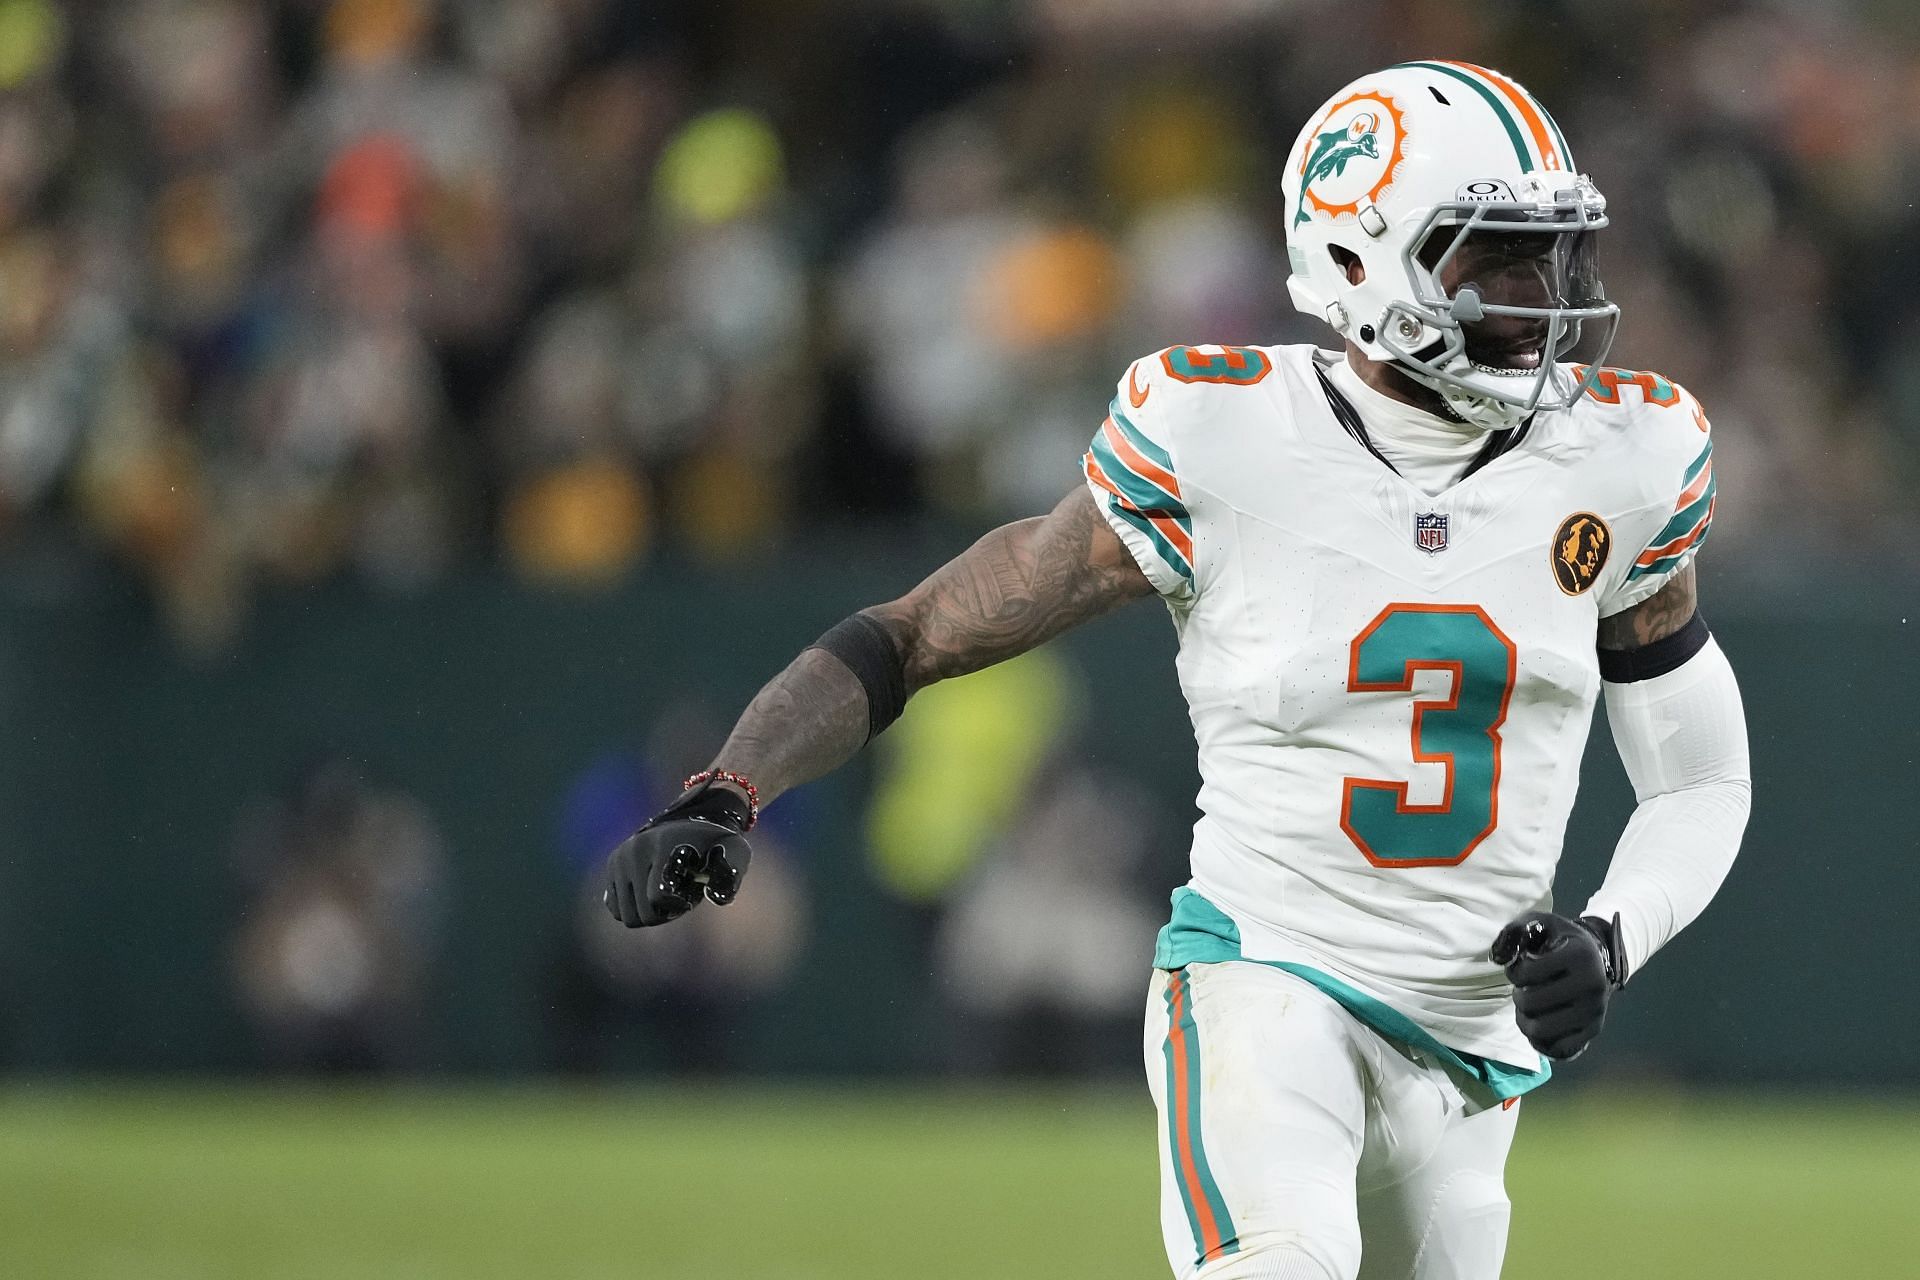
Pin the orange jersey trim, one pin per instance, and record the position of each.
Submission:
(1138, 462)
(1681, 543)
(1698, 487)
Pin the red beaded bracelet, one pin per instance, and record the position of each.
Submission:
(738, 780)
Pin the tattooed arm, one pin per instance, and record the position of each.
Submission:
(1655, 618)
(1018, 587)
(1015, 589)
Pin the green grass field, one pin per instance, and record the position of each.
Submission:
(670, 1184)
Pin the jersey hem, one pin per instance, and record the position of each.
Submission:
(1201, 933)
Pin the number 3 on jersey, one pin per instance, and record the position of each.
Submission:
(1460, 731)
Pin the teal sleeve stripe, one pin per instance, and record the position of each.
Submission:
(1493, 100)
(1682, 521)
(1667, 564)
(1694, 512)
(1141, 492)
(1164, 549)
(1694, 467)
(1138, 439)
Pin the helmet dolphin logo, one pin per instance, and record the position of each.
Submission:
(1333, 149)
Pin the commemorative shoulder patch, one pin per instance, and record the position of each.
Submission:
(1579, 551)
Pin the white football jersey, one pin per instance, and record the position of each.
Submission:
(1391, 691)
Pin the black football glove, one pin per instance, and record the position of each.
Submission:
(696, 846)
(1563, 973)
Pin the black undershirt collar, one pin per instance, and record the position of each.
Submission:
(1498, 442)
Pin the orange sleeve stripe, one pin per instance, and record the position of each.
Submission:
(1099, 477)
(1169, 528)
(1698, 487)
(1681, 543)
(1535, 125)
(1172, 532)
(1137, 462)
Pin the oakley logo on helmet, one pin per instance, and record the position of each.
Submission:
(1485, 189)
(1350, 161)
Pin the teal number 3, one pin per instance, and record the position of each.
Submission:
(1460, 731)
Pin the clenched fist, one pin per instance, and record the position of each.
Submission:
(696, 846)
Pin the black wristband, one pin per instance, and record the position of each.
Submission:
(869, 652)
(1624, 666)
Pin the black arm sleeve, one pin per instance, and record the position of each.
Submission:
(869, 652)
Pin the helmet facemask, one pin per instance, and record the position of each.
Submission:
(1472, 348)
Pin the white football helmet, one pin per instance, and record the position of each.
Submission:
(1397, 170)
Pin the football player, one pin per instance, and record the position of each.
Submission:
(1401, 575)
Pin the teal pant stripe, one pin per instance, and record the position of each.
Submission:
(1173, 1123)
(1223, 1238)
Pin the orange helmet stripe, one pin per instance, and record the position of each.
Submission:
(1550, 156)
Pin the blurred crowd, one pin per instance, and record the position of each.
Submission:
(343, 892)
(1008, 882)
(291, 289)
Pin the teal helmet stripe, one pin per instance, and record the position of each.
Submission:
(1493, 100)
(1518, 90)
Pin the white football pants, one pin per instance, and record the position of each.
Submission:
(1298, 1144)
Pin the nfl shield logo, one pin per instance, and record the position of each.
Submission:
(1430, 531)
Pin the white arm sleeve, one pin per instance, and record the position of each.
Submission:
(1683, 739)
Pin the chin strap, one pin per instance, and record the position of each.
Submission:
(1482, 411)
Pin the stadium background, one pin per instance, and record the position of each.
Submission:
(423, 425)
